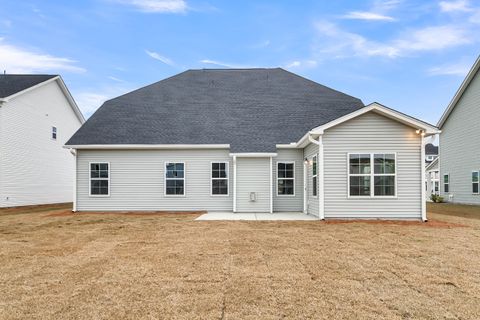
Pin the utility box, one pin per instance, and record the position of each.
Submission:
(253, 196)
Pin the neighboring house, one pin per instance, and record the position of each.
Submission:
(37, 116)
(432, 178)
(459, 158)
(250, 140)
(431, 153)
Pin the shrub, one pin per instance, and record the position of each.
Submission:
(436, 198)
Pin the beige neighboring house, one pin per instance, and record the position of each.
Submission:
(459, 140)
(37, 116)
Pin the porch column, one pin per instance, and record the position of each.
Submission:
(320, 174)
(271, 185)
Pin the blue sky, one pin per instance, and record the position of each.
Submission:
(408, 55)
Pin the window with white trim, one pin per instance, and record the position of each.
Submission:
(446, 183)
(100, 179)
(219, 177)
(175, 178)
(475, 176)
(314, 176)
(286, 178)
(54, 133)
(365, 182)
(436, 187)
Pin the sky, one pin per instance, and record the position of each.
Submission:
(410, 55)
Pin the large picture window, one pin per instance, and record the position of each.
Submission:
(475, 182)
(371, 175)
(219, 178)
(314, 176)
(285, 178)
(175, 178)
(100, 179)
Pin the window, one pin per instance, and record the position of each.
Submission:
(436, 187)
(365, 182)
(314, 176)
(175, 178)
(446, 183)
(54, 133)
(384, 174)
(100, 179)
(475, 182)
(285, 178)
(219, 178)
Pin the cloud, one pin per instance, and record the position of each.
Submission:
(115, 79)
(341, 43)
(224, 64)
(300, 64)
(159, 57)
(458, 69)
(157, 6)
(365, 15)
(90, 100)
(18, 60)
(459, 5)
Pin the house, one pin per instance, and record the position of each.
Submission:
(432, 178)
(37, 116)
(459, 159)
(431, 152)
(250, 140)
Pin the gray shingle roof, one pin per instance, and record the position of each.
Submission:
(250, 109)
(14, 83)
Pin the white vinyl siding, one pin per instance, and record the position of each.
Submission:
(310, 151)
(459, 153)
(253, 175)
(137, 180)
(43, 171)
(372, 133)
(289, 203)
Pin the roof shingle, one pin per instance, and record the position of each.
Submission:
(14, 83)
(250, 109)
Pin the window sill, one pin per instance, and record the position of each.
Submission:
(99, 195)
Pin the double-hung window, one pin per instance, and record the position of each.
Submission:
(475, 176)
(99, 179)
(372, 174)
(54, 133)
(285, 178)
(314, 176)
(175, 178)
(219, 178)
(446, 183)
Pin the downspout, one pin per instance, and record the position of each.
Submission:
(271, 185)
(234, 184)
(422, 157)
(74, 153)
(320, 175)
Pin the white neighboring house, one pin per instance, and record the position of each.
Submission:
(459, 140)
(37, 116)
(432, 178)
(250, 140)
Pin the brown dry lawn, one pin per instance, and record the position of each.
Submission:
(56, 265)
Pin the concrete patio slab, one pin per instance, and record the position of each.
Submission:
(278, 216)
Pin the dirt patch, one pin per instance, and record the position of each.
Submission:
(430, 223)
(457, 210)
(67, 213)
(35, 208)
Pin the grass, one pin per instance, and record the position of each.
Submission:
(108, 266)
